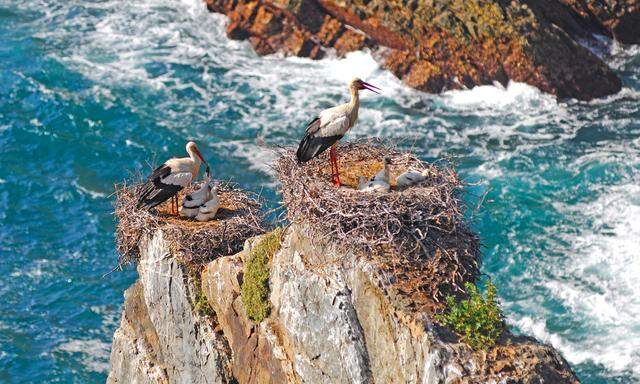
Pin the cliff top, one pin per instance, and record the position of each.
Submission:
(238, 218)
(417, 237)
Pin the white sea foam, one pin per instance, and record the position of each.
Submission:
(516, 94)
(597, 283)
(37, 270)
(84, 190)
(94, 352)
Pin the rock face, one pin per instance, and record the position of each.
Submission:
(434, 45)
(331, 321)
(161, 338)
(619, 19)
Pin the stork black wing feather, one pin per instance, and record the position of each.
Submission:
(159, 196)
(162, 171)
(312, 145)
(154, 192)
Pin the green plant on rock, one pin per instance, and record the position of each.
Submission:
(477, 319)
(200, 303)
(255, 284)
(202, 306)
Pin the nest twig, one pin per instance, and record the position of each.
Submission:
(193, 242)
(417, 237)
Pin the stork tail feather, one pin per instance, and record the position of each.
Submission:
(311, 146)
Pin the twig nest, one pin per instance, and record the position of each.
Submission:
(417, 234)
(237, 217)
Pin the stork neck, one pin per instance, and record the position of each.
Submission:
(355, 98)
(196, 160)
(354, 105)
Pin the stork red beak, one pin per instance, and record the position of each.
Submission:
(371, 87)
(197, 151)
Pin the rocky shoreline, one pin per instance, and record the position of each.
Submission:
(440, 45)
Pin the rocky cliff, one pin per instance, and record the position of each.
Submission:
(331, 321)
(434, 45)
(347, 292)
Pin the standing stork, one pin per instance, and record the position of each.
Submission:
(326, 129)
(170, 178)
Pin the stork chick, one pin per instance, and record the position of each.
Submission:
(208, 210)
(379, 182)
(192, 202)
(170, 178)
(410, 178)
(363, 183)
(329, 126)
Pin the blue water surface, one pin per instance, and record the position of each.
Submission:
(91, 91)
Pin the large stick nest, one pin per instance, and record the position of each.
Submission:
(193, 242)
(417, 237)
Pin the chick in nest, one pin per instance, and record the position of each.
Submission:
(411, 177)
(192, 202)
(379, 182)
(208, 210)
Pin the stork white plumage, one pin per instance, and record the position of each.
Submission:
(170, 178)
(208, 210)
(192, 202)
(409, 178)
(380, 182)
(326, 129)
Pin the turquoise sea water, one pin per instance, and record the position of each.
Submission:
(91, 90)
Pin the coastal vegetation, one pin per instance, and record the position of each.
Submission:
(200, 304)
(255, 285)
(477, 318)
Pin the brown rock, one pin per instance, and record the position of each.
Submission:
(618, 19)
(258, 357)
(439, 45)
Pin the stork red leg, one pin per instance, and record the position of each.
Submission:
(333, 166)
(174, 205)
(335, 172)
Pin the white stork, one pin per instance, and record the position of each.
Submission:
(192, 202)
(209, 209)
(170, 178)
(380, 182)
(326, 129)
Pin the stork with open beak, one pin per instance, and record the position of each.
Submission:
(326, 129)
(170, 178)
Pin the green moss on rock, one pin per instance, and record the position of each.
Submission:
(255, 284)
(200, 304)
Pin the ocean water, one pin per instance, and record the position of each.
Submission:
(91, 91)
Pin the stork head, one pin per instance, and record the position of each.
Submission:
(193, 151)
(357, 84)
